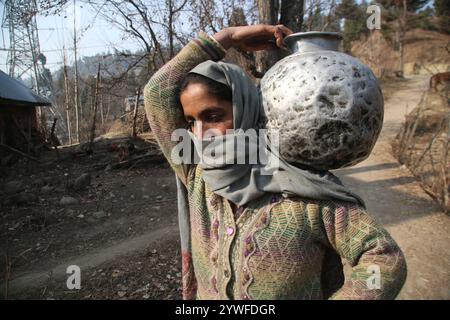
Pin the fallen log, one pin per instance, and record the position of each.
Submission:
(130, 163)
(19, 152)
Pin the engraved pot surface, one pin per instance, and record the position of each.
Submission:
(326, 105)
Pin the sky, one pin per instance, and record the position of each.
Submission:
(56, 32)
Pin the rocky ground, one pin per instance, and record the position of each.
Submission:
(103, 210)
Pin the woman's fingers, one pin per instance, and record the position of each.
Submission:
(279, 27)
(280, 33)
(279, 38)
(259, 37)
(285, 29)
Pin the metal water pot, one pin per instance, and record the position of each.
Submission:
(326, 105)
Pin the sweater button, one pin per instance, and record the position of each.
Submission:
(230, 231)
(274, 199)
(226, 273)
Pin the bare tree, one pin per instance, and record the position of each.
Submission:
(95, 104)
(77, 96)
(319, 14)
(66, 99)
(172, 11)
(402, 32)
(329, 17)
(135, 111)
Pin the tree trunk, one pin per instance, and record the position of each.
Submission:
(171, 13)
(289, 13)
(402, 38)
(97, 90)
(268, 14)
(101, 110)
(66, 99)
(136, 107)
(108, 107)
(77, 99)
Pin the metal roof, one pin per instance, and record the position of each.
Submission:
(15, 93)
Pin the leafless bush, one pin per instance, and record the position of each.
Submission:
(423, 147)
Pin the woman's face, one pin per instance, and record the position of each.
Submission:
(204, 111)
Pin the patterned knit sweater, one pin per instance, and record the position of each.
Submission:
(278, 246)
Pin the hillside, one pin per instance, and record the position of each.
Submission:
(425, 52)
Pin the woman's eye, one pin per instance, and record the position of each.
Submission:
(213, 118)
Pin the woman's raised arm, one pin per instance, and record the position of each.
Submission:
(162, 107)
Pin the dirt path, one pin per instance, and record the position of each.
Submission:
(40, 277)
(123, 223)
(395, 199)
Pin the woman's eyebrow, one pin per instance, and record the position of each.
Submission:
(209, 110)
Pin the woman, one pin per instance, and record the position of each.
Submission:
(246, 235)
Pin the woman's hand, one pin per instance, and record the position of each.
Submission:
(253, 38)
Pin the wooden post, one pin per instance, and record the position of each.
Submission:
(29, 133)
(136, 107)
(52, 138)
(2, 130)
(52, 132)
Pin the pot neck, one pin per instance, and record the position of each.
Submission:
(313, 41)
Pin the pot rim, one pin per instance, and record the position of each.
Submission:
(309, 34)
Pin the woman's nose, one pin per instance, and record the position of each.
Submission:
(197, 129)
(206, 131)
(197, 134)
